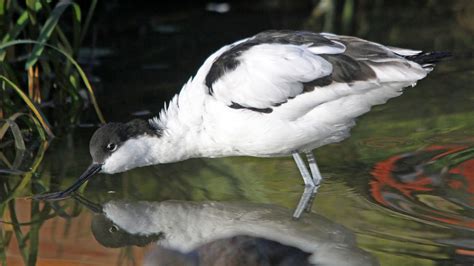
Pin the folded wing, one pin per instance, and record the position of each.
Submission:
(271, 68)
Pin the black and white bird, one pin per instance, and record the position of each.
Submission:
(186, 225)
(278, 93)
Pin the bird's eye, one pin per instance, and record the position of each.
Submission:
(111, 147)
(113, 229)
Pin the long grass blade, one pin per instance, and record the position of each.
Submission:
(39, 115)
(5, 126)
(34, 233)
(17, 230)
(4, 242)
(19, 142)
(76, 65)
(38, 127)
(36, 86)
(87, 22)
(20, 24)
(4, 130)
(11, 172)
(15, 116)
(5, 161)
(14, 31)
(30, 6)
(46, 31)
(2, 8)
(25, 181)
(76, 18)
(30, 83)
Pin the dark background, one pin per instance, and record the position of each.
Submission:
(153, 47)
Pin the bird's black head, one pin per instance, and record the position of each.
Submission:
(106, 140)
(110, 137)
(114, 147)
(111, 235)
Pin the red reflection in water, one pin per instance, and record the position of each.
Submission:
(400, 181)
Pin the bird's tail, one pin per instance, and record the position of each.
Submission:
(428, 59)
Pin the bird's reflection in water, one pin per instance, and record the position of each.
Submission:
(232, 251)
(187, 228)
(110, 235)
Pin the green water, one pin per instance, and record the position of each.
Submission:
(402, 186)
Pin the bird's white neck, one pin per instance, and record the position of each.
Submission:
(181, 134)
(177, 136)
(179, 124)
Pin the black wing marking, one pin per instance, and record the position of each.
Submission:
(228, 61)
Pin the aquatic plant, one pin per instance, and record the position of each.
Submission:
(34, 73)
(39, 47)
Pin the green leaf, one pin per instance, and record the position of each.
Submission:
(5, 126)
(18, 115)
(19, 142)
(30, 6)
(46, 31)
(20, 24)
(14, 31)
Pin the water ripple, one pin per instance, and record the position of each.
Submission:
(435, 184)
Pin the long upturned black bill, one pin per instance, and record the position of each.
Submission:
(90, 171)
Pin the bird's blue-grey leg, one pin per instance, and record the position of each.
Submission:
(309, 188)
(308, 193)
(313, 166)
(308, 180)
(309, 204)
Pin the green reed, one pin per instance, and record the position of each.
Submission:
(38, 62)
(39, 45)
